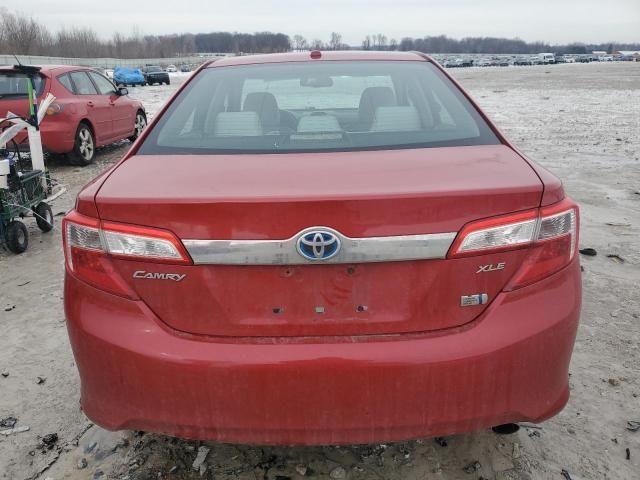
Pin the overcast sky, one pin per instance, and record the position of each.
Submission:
(555, 21)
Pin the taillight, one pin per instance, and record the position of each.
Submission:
(550, 234)
(90, 244)
(55, 109)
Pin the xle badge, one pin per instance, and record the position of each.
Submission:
(491, 268)
(477, 299)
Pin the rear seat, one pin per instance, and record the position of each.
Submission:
(396, 119)
(237, 124)
(319, 124)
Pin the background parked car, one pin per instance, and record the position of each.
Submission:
(89, 111)
(154, 74)
(172, 69)
(123, 76)
(185, 68)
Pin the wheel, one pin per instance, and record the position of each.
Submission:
(17, 236)
(84, 148)
(44, 216)
(141, 123)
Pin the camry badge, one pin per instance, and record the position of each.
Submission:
(176, 277)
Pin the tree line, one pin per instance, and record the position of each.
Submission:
(22, 35)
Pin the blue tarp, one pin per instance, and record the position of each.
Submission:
(129, 76)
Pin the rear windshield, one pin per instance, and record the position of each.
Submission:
(15, 84)
(309, 107)
(154, 69)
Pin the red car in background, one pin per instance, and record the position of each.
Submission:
(322, 248)
(89, 111)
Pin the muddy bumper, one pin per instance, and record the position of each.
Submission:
(511, 364)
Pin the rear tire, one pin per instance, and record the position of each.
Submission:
(44, 216)
(139, 126)
(17, 237)
(84, 147)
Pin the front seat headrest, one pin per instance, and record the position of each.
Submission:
(266, 106)
(371, 99)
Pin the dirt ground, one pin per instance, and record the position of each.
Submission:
(581, 121)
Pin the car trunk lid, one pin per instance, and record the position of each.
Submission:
(357, 194)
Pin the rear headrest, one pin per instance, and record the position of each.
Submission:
(372, 98)
(319, 123)
(237, 124)
(396, 119)
(266, 106)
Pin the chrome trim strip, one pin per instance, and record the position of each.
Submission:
(353, 250)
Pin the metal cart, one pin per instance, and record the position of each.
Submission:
(26, 194)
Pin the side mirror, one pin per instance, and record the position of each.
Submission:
(122, 91)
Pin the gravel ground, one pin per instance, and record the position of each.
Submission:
(581, 121)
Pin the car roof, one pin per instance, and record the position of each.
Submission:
(348, 55)
(51, 69)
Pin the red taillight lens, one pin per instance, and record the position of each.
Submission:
(90, 244)
(551, 234)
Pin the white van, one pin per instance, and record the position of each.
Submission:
(547, 58)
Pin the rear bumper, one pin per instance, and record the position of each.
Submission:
(509, 365)
(57, 136)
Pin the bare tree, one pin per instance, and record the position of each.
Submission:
(336, 41)
(22, 35)
(317, 44)
(299, 42)
(379, 42)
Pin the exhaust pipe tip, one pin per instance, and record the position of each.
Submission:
(506, 428)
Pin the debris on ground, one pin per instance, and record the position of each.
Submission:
(517, 452)
(40, 380)
(301, 469)
(628, 452)
(9, 308)
(589, 252)
(472, 467)
(50, 439)
(200, 458)
(614, 382)
(11, 431)
(633, 425)
(338, 473)
(5, 374)
(82, 463)
(616, 258)
(441, 441)
(565, 474)
(8, 422)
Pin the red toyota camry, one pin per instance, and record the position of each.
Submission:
(322, 248)
(89, 111)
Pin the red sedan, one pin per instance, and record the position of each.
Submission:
(89, 111)
(322, 248)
